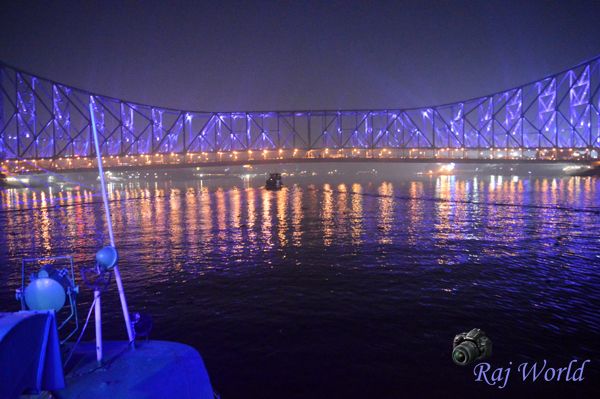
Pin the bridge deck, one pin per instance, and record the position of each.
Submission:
(182, 161)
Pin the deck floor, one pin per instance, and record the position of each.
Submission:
(154, 369)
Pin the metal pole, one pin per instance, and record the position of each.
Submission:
(98, 324)
(109, 224)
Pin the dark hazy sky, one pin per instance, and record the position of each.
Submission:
(297, 55)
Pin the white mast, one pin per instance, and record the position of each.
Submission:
(98, 310)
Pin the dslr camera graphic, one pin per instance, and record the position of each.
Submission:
(470, 346)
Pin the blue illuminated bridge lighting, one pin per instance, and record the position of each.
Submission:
(47, 124)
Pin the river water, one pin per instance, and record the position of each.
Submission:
(342, 284)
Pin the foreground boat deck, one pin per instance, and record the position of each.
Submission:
(154, 369)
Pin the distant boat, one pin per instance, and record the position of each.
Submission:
(111, 178)
(582, 170)
(274, 182)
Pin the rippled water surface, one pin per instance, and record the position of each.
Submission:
(338, 285)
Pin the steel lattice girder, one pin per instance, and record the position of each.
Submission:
(40, 118)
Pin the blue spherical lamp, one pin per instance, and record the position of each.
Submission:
(107, 258)
(45, 293)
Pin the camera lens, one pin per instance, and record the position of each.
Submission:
(465, 353)
(459, 357)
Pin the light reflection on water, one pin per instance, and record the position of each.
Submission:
(261, 281)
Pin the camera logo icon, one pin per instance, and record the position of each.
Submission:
(470, 346)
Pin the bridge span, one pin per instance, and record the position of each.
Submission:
(46, 125)
(171, 161)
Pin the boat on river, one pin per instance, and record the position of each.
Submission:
(274, 182)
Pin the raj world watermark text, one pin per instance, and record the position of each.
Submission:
(530, 371)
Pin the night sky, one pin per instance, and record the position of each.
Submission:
(297, 55)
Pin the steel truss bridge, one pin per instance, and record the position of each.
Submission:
(46, 124)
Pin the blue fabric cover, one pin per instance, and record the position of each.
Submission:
(29, 353)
